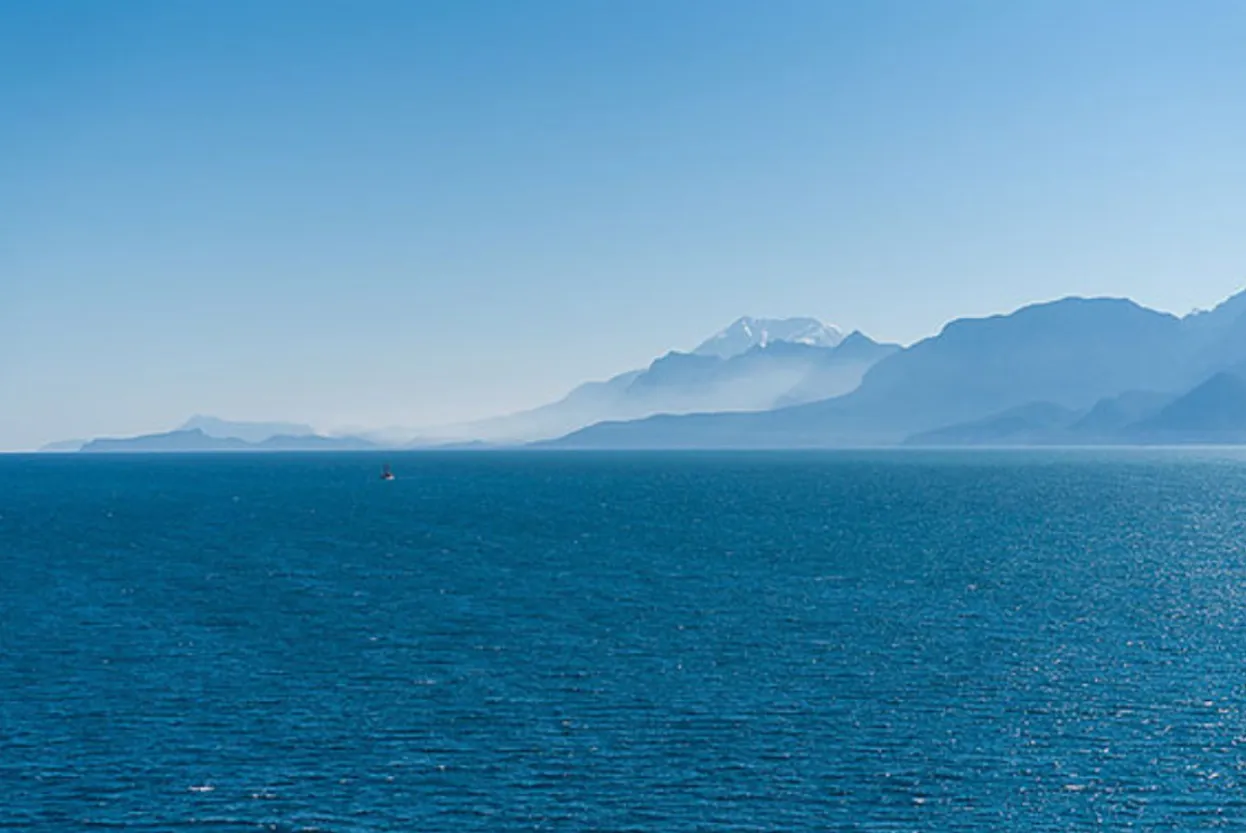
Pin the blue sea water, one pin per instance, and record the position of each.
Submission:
(894, 641)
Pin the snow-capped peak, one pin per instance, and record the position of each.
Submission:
(747, 333)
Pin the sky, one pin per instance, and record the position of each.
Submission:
(412, 213)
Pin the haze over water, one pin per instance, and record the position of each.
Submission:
(1038, 641)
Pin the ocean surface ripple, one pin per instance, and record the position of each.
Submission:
(899, 641)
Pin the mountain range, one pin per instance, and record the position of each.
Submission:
(752, 365)
(1213, 412)
(1076, 371)
(196, 439)
(251, 432)
(1013, 379)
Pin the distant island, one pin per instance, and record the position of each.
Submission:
(251, 432)
(1077, 371)
(211, 434)
(63, 446)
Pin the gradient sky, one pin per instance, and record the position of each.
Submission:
(413, 212)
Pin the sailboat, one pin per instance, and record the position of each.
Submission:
(386, 474)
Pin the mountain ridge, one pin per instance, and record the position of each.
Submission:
(1212, 412)
(1072, 352)
(194, 440)
(255, 432)
(1072, 370)
(763, 376)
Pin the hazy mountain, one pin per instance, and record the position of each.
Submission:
(1220, 320)
(63, 446)
(1213, 412)
(1111, 416)
(588, 403)
(252, 432)
(783, 428)
(842, 371)
(196, 440)
(1216, 340)
(1210, 413)
(777, 373)
(391, 436)
(761, 378)
(183, 440)
(1033, 424)
(1109, 421)
(746, 333)
(1075, 370)
(1070, 354)
(313, 442)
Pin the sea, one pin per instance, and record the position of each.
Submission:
(858, 641)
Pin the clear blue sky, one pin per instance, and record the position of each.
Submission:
(412, 212)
